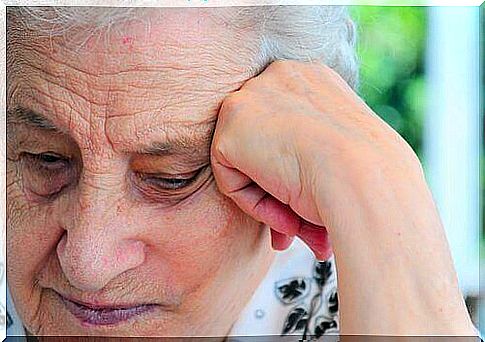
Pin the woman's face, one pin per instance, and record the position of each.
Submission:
(111, 201)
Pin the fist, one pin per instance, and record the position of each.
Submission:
(298, 150)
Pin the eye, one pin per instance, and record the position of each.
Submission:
(49, 160)
(46, 174)
(169, 183)
(170, 188)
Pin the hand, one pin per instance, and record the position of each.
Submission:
(298, 150)
(292, 147)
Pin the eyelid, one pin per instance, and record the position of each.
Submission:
(176, 175)
(45, 180)
(171, 184)
(169, 164)
(190, 177)
(161, 175)
(151, 179)
(51, 153)
(51, 166)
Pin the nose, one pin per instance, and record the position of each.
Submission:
(100, 241)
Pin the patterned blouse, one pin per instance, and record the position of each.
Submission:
(298, 297)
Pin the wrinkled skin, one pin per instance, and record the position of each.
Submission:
(97, 225)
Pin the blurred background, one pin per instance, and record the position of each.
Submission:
(422, 72)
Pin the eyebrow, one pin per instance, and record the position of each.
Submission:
(157, 149)
(184, 145)
(21, 115)
(194, 145)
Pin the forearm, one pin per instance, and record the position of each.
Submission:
(395, 271)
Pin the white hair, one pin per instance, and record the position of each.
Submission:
(307, 33)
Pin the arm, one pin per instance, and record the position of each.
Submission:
(297, 149)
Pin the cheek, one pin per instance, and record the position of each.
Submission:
(32, 232)
(31, 239)
(205, 237)
(37, 187)
(32, 236)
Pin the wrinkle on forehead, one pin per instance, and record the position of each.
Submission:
(138, 83)
(167, 38)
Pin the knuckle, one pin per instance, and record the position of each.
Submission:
(302, 70)
(292, 65)
(324, 67)
(285, 66)
(280, 63)
(232, 103)
(220, 152)
(325, 70)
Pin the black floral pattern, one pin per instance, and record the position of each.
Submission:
(300, 317)
(323, 272)
(9, 320)
(324, 326)
(296, 320)
(333, 302)
(291, 290)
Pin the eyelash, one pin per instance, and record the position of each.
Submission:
(169, 183)
(157, 189)
(43, 158)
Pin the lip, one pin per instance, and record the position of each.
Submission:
(97, 315)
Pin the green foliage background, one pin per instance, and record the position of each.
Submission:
(391, 49)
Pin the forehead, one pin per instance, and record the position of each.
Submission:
(167, 73)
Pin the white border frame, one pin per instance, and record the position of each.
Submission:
(151, 3)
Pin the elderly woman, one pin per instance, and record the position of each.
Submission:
(157, 159)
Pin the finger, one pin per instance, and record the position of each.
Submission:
(254, 201)
(280, 241)
(317, 239)
(263, 207)
(228, 179)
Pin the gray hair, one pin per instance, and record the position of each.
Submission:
(306, 33)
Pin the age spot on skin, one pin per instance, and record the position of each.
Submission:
(127, 40)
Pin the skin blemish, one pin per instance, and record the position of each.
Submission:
(127, 40)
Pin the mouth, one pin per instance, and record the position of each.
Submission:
(97, 315)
